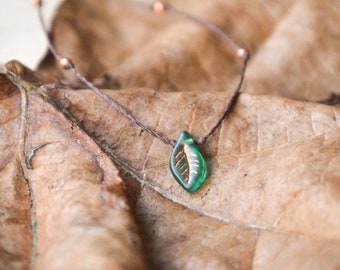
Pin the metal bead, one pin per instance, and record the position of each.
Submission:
(66, 63)
(158, 7)
(243, 53)
(36, 3)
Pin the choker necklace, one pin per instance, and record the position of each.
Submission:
(187, 164)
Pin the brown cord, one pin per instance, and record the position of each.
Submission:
(159, 8)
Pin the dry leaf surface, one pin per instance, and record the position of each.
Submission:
(61, 195)
(273, 166)
(272, 198)
(294, 43)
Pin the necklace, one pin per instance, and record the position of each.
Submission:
(187, 164)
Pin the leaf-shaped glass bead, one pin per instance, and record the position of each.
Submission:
(187, 163)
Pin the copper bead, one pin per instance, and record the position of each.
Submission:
(66, 63)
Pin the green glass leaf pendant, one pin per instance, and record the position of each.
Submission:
(187, 164)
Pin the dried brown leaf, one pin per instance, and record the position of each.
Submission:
(300, 59)
(272, 198)
(293, 44)
(273, 173)
(166, 53)
(63, 202)
(15, 231)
